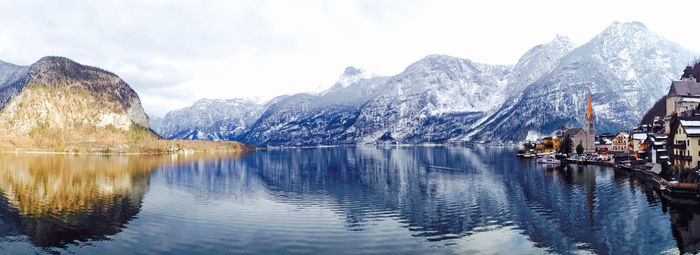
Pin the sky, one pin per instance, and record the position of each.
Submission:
(175, 52)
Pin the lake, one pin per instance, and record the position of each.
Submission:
(340, 200)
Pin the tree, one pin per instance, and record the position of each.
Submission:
(566, 145)
(579, 149)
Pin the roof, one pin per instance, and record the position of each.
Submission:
(684, 88)
(639, 136)
(659, 136)
(691, 125)
(625, 134)
(573, 131)
(655, 168)
(690, 100)
(693, 131)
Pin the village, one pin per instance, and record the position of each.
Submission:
(665, 146)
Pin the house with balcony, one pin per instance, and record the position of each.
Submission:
(685, 135)
(637, 145)
(656, 148)
(621, 142)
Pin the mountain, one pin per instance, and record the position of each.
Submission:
(535, 63)
(627, 67)
(209, 119)
(57, 101)
(432, 100)
(59, 105)
(312, 119)
(444, 99)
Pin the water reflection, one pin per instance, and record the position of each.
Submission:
(58, 200)
(340, 200)
(446, 193)
(451, 196)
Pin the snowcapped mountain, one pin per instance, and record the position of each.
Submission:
(448, 99)
(209, 119)
(432, 100)
(312, 119)
(350, 76)
(535, 63)
(627, 67)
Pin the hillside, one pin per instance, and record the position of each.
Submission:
(60, 105)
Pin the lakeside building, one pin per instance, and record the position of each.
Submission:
(656, 148)
(621, 142)
(577, 135)
(637, 145)
(685, 134)
(603, 144)
(683, 97)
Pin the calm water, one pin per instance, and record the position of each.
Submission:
(362, 200)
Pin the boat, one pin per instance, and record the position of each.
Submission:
(548, 159)
(543, 154)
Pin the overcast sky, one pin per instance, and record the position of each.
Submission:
(175, 52)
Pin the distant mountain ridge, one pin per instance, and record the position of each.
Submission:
(443, 99)
(210, 119)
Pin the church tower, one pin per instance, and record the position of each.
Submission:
(589, 145)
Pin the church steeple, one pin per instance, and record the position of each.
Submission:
(589, 110)
(589, 129)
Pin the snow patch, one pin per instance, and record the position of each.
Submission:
(532, 136)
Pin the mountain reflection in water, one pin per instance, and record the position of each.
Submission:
(57, 200)
(350, 200)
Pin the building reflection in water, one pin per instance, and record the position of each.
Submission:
(685, 222)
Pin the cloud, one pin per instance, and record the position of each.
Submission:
(174, 52)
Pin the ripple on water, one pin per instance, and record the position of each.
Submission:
(413, 200)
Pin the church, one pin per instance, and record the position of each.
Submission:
(589, 144)
(584, 136)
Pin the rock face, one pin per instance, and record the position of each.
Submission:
(56, 96)
(443, 99)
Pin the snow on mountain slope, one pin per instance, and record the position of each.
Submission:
(535, 63)
(627, 68)
(432, 94)
(209, 119)
(449, 99)
(313, 119)
(350, 76)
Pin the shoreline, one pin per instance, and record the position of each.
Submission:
(681, 189)
(118, 153)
